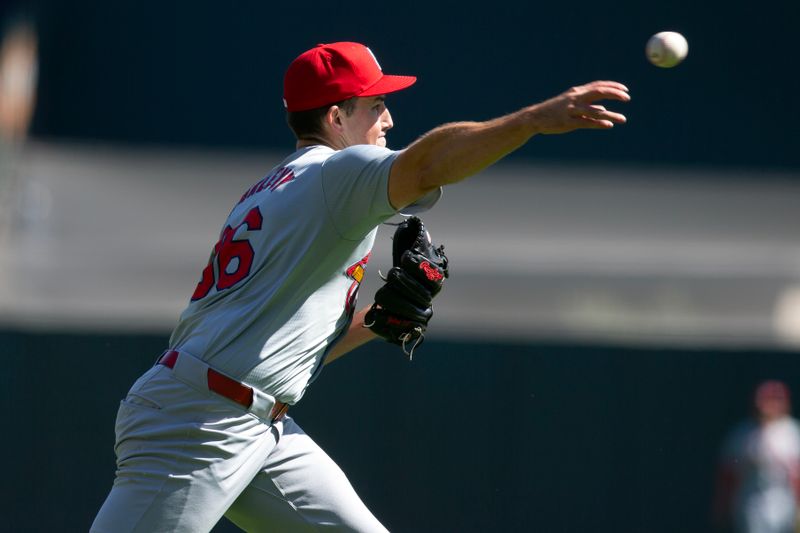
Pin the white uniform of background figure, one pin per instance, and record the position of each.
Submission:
(762, 459)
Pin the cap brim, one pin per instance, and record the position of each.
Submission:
(389, 84)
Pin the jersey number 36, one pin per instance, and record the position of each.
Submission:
(227, 250)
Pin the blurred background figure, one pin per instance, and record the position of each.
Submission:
(18, 74)
(758, 485)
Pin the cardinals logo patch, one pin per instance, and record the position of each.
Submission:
(356, 273)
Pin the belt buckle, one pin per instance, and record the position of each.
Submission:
(279, 411)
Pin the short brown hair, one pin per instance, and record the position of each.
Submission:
(308, 124)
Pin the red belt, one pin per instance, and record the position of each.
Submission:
(227, 387)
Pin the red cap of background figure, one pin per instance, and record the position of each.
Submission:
(330, 73)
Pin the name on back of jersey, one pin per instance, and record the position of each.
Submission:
(271, 182)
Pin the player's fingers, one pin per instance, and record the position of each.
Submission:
(602, 92)
(598, 90)
(599, 112)
(604, 83)
(617, 118)
(609, 83)
(596, 124)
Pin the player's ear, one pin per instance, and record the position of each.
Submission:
(334, 117)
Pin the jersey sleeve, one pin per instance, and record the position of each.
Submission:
(355, 183)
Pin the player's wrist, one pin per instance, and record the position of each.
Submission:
(536, 119)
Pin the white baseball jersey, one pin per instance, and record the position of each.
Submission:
(766, 459)
(282, 280)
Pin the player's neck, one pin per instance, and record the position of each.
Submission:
(324, 138)
(305, 143)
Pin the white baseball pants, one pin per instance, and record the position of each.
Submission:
(186, 457)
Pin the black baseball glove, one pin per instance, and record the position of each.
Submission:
(402, 306)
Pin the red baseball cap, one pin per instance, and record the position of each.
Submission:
(330, 73)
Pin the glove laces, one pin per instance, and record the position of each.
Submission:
(419, 338)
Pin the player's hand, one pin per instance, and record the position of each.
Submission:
(576, 108)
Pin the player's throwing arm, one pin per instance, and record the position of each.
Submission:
(452, 152)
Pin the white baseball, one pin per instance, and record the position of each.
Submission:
(666, 49)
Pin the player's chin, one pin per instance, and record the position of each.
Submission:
(381, 141)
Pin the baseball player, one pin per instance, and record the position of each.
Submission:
(204, 432)
(758, 480)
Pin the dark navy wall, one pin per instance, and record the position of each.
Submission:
(467, 437)
(197, 73)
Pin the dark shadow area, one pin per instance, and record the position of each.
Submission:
(466, 437)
